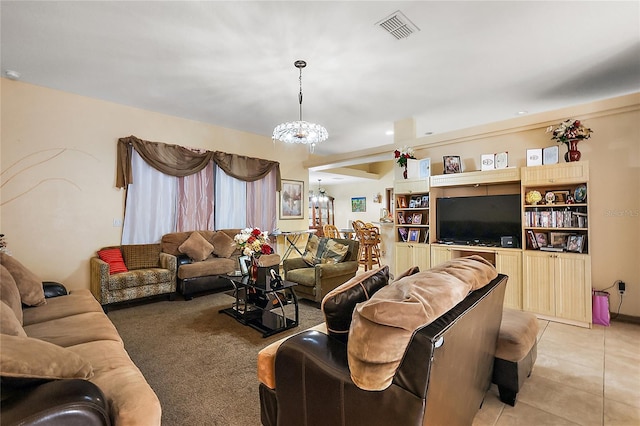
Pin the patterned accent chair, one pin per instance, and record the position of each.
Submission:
(151, 273)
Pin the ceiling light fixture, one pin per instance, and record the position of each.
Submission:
(320, 196)
(300, 131)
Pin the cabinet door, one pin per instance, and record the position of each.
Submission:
(510, 263)
(573, 287)
(439, 255)
(422, 256)
(404, 257)
(538, 283)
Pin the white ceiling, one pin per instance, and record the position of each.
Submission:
(231, 63)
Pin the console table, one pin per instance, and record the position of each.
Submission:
(261, 307)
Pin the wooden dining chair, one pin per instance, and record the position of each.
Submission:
(330, 231)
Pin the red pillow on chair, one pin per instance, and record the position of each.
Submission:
(113, 257)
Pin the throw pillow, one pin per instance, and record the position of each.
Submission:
(29, 358)
(9, 324)
(113, 256)
(29, 285)
(338, 305)
(334, 252)
(9, 293)
(313, 251)
(223, 245)
(196, 247)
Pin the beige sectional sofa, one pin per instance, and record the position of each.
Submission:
(63, 361)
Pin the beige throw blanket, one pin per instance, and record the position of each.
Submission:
(382, 326)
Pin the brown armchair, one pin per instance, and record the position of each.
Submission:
(314, 282)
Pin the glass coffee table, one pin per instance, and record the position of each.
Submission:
(261, 307)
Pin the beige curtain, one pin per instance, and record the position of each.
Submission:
(175, 160)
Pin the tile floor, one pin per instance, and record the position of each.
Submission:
(581, 377)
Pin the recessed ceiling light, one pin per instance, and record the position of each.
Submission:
(522, 112)
(389, 133)
(12, 75)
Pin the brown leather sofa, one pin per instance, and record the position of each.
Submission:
(442, 377)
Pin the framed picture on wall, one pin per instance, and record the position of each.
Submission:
(291, 199)
(359, 204)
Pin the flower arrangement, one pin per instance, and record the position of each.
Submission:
(253, 242)
(402, 155)
(570, 130)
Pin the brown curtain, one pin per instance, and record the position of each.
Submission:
(175, 160)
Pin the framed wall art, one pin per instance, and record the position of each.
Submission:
(359, 204)
(291, 199)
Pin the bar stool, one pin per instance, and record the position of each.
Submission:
(370, 247)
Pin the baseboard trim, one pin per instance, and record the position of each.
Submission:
(625, 318)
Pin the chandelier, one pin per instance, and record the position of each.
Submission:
(320, 196)
(300, 131)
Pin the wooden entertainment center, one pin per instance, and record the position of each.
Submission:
(553, 282)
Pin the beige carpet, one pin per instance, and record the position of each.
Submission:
(200, 363)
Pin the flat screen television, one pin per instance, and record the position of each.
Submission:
(478, 220)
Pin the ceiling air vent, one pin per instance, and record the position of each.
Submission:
(398, 25)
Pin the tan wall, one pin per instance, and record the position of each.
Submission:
(58, 172)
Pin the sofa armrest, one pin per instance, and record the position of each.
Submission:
(183, 259)
(71, 401)
(53, 289)
(331, 270)
(295, 263)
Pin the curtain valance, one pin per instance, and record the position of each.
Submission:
(175, 160)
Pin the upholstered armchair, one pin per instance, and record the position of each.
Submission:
(320, 270)
(127, 272)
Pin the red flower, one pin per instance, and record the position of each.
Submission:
(255, 232)
(251, 239)
(266, 249)
(396, 153)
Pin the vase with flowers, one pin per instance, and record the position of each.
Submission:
(253, 243)
(570, 132)
(402, 156)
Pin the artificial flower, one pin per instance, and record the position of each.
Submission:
(253, 242)
(570, 130)
(402, 155)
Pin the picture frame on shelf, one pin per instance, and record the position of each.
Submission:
(408, 218)
(424, 201)
(558, 239)
(550, 155)
(426, 237)
(487, 162)
(534, 157)
(400, 216)
(542, 239)
(532, 243)
(414, 235)
(412, 203)
(291, 199)
(575, 243)
(359, 204)
(417, 219)
(452, 164)
(404, 234)
(402, 203)
(561, 196)
(502, 160)
(425, 168)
